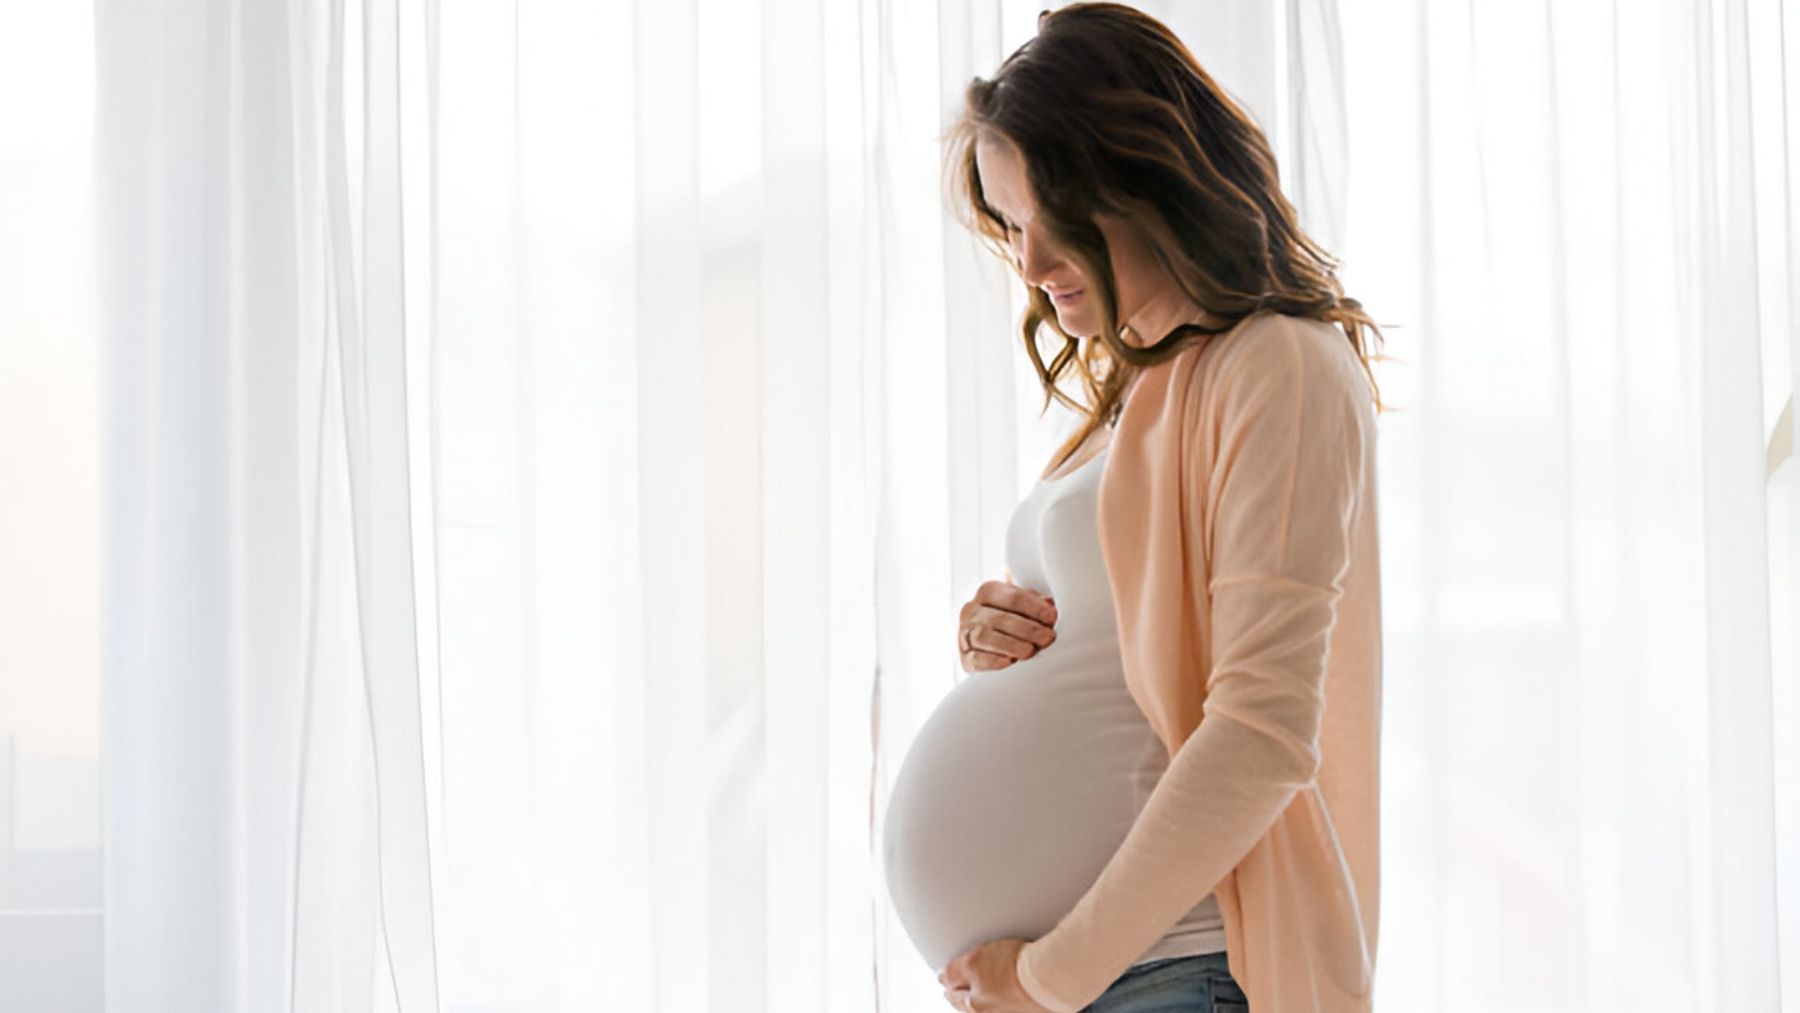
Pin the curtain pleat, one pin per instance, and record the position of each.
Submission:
(1716, 240)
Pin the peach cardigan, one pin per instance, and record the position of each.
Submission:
(1237, 520)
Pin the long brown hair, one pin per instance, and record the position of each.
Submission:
(1111, 112)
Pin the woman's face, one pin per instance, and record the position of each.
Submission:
(1149, 300)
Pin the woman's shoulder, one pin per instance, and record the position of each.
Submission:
(1272, 347)
(1264, 354)
(1270, 336)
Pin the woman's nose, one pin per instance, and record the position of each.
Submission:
(1036, 258)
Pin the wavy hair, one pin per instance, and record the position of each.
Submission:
(1112, 113)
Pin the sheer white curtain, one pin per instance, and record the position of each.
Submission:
(1583, 216)
(546, 446)
(262, 775)
(517, 417)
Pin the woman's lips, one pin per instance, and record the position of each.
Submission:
(1068, 297)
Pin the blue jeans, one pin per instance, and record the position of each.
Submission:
(1198, 984)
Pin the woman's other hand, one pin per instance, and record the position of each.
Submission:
(986, 980)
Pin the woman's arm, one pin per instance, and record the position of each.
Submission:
(1290, 423)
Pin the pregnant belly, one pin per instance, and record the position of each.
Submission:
(1016, 793)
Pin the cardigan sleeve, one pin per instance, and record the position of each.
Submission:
(1288, 422)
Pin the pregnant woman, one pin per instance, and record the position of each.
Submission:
(1158, 790)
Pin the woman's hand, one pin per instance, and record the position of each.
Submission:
(986, 980)
(1003, 623)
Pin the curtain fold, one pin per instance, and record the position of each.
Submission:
(546, 448)
(170, 793)
(1717, 249)
(365, 341)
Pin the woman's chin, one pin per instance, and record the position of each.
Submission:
(1075, 324)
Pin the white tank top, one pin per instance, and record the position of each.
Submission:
(1023, 782)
